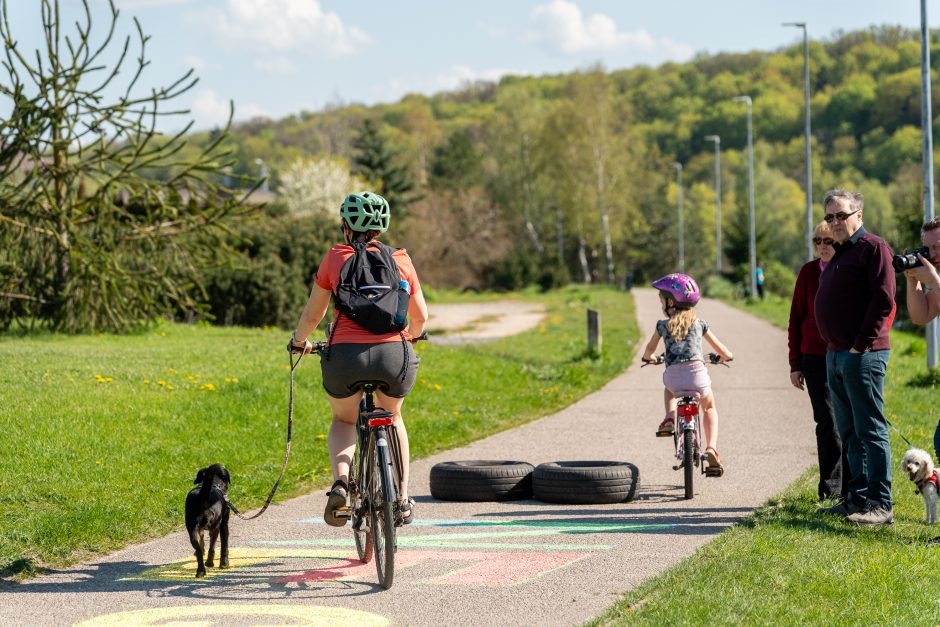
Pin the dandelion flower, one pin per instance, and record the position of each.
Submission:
(146, 381)
(437, 386)
(320, 436)
(161, 382)
(170, 387)
(234, 380)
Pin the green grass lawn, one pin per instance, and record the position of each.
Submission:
(102, 435)
(786, 564)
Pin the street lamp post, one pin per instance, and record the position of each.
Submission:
(809, 162)
(717, 140)
(752, 235)
(678, 167)
(264, 174)
(927, 130)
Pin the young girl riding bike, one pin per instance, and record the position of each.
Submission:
(685, 371)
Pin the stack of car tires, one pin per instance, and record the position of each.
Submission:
(574, 482)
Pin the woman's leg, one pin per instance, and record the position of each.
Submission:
(393, 405)
(342, 438)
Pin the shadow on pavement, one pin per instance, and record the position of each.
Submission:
(269, 580)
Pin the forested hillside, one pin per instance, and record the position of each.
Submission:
(556, 178)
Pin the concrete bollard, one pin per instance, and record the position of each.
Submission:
(594, 332)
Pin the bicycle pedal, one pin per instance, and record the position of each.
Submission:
(342, 512)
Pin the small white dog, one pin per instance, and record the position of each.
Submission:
(919, 467)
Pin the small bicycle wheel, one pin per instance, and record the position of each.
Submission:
(381, 513)
(688, 444)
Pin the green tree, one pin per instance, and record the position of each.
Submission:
(377, 161)
(88, 241)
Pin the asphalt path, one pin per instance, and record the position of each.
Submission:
(521, 562)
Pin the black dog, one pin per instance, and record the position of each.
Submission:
(206, 509)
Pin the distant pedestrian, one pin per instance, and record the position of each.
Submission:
(854, 305)
(808, 365)
(759, 279)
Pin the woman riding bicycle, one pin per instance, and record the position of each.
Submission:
(685, 371)
(356, 354)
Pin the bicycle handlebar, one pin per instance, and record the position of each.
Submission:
(712, 358)
(319, 347)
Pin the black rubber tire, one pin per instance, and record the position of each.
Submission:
(481, 480)
(585, 482)
(688, 443)
(382, 518)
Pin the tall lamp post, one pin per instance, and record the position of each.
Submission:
(927, 130)
(809, 162)
(717, 140)
(752, 235)
(678, 167)
(264, 174)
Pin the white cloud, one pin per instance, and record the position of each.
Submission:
(461, 74)
(276, 65)
(195, 62)
(279, 26)
(146, 4)
(209, 109)
(560, 26)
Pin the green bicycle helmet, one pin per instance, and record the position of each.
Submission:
(365, 211)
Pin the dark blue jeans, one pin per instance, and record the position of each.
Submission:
(856, 385)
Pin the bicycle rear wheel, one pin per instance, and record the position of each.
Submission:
(688, 456)
(382, 514)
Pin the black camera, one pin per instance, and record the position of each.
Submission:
(910, 260)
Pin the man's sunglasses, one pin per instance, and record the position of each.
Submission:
(841, 216)
(828, 241)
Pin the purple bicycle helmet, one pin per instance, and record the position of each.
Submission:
(681, 288)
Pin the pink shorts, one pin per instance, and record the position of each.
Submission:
(686, 378)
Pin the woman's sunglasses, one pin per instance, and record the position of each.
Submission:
(828, 241)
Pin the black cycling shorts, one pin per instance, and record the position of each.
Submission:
(349, 365)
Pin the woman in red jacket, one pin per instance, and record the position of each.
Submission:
(808, 364)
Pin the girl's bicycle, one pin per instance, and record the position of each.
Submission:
(687, 433)
(374, 484)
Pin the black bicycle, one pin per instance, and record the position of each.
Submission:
(687, 432)
(375, 478)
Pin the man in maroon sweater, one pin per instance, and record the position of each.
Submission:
(854, 304)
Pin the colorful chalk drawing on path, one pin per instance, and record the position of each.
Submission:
(206, 615)
(487, 553)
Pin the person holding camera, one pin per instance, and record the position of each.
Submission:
(854, 305)
(923, 284)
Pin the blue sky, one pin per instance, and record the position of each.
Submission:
(277, 57)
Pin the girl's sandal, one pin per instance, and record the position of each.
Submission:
(714, 468)
(336, 500)
(406, 508)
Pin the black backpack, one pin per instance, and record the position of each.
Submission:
(371, 291)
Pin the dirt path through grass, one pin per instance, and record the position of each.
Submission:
(520, 562)
(453, 323)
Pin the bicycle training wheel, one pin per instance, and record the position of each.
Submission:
(688, 455)
(381, 514)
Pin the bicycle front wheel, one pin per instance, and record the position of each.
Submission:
(688, 443)
(382, 514)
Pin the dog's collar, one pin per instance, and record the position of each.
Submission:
(931, 478)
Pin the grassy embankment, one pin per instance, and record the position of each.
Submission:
(102, 435)
(786, 564)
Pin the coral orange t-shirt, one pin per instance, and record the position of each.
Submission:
(327, 277)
